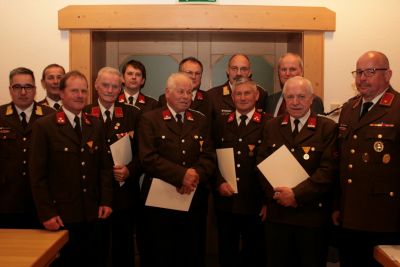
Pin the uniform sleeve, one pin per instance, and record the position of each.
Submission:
(39, 172)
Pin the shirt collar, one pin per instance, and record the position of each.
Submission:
(303, 120)
(135, 96)
(27, 111)
(71, 116)
(174, 113)
(103, 110)
(376, 98)
(249, 116)
(51, 102)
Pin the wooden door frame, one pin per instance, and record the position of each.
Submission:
(87, 49)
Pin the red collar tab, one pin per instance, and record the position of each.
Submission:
(118, 112)
(121, 98)
(189, 116)
(166, 114)
(60, 118)
(257, 117)
(85, 119)
(312, 122)
(95, 112)
(199, 95)
(141, 99)
(386, 99)
(231, 117)
(285, 120)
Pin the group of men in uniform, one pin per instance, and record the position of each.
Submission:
(57, 169)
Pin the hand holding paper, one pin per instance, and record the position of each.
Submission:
(121, 152)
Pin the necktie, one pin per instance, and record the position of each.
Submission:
(242, 123)
(108, 120)
(365, 108)
(179, 120)
(56, 106)
(282, 108)
(130, 99)
(23, 121)
(77, 127)
(296, 127)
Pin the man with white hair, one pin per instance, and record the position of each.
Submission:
(175, 146)
(297, 218)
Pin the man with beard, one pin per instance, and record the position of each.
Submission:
(134, 78)
(289, 65)
(221, 99)
(51, 77)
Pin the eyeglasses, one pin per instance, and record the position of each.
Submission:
(26, 87)
(242, 69)
(367, 72)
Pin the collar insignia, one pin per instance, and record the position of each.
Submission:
(118, 112)
(141, 99)
(39, 111)
(121, 98)
(90, 144)
(95, 112)
(387, 99)
(312, 122)
(189, 116)
(166, 114)
(256, 117)
(285, 120)
(60, 118)
(225, 90)
(199, 95)
(9, 110)
(231, 117)
(86, 119)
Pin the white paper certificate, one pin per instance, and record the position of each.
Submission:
(226, 165)
(282, 169)
(164, 195)
(121, 152)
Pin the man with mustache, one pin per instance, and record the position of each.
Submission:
(221, 99)
(369, 141)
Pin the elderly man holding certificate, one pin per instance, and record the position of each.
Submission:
(297, 217)
(238, 196)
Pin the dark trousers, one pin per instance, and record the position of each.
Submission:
(241, 240)
(173, 238)
(122, 238)
(82, 248)
(356, 247)
(291, 245)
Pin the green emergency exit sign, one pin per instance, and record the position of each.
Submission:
(197, 1)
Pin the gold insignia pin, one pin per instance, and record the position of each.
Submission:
(378, 146)
(386, 158)
(201, 145)
(89, 144)
(251, 148)
(225, 90)
(39, 111)
(9, 110)
(306, 149)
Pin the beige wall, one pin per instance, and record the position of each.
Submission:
(31, 37)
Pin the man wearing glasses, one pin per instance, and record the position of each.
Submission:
(369, 139)
(221, 99)
(193, 68)
(16, 119)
